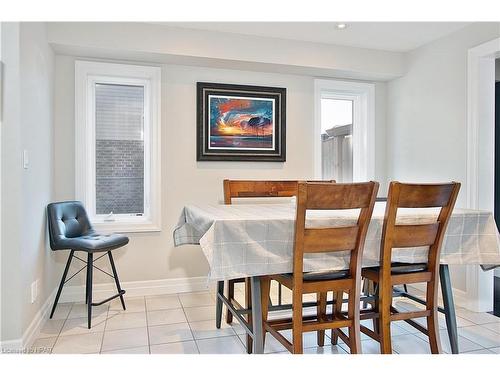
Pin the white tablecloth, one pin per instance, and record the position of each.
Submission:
(257, 239)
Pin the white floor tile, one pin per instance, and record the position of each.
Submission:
(464, 345)
(477, 318)
(410, 344)
(163, 302)
(139, 350)
(51, 328)
(206, 329)
(221, 345)
(133, 304)
(89, 343)
(169, 333)
(309, 339)
(120, 320)
(196, 314)
(495, 327)
(125, 338)
(62, 311)
(367, 347)
(480, 335)
(197, 299)
(237, 327)
(160, 317)
(184, 347)
(79, 326)
(79, 310)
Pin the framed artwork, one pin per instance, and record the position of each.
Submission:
(241, 123)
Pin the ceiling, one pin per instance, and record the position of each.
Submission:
(389, 36)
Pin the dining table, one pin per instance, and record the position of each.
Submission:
(257, 239)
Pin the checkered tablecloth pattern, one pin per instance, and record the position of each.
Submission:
(257, 239)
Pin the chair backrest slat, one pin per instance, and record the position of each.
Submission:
(415, 235)
(424, 195)
(259, 189)
(338, 196)
(318, 240)
(332, 196)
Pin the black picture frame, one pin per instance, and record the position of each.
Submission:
(205, 152)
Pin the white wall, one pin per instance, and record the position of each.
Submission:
(426, 118)
(426, 114)
(151, 256)
(28, 125)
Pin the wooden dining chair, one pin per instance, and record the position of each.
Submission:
(324, 196)
(389, 274)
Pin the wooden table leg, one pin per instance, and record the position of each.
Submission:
(258, 338)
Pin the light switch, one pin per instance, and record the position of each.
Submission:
(26, 161)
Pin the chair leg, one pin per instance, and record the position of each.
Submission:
(321, 312)
(117, 281)
(265, 290)
(338, 297)
(248, 305)
(385, 301)
(61, 284)
(432, 320)
(230, 296)
(375, 307)
(354, 329)
(90, 266)
(218, 304)
(297, 321)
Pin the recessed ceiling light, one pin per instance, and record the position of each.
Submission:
(341, 26)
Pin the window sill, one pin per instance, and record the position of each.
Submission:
(126, 227)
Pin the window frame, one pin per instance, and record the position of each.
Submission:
(87, 74)
(363, 128)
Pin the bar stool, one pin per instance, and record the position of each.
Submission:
(70, 229)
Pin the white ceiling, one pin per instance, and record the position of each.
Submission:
(389, 36)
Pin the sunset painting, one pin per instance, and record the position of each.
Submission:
(241, 122)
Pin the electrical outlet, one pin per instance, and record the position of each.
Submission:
(34, 291)
(26, 160)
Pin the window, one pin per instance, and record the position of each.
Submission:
(344, 135)
(117, 110)
(336, 139)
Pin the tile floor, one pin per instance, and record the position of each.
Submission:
(185, 323)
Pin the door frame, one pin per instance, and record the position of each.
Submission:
(480, 173)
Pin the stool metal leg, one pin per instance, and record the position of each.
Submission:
(90, 266)
(117, 282)
(63, 280)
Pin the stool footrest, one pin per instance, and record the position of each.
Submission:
(122, 292)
